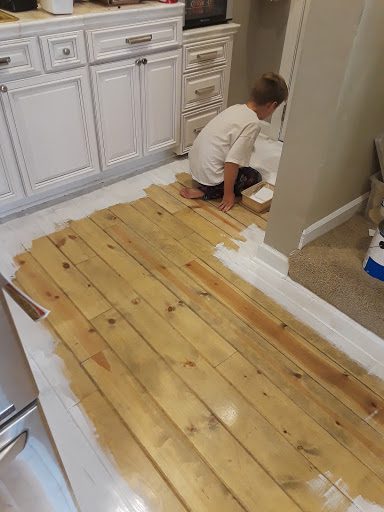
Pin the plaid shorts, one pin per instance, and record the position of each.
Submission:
(245, 179)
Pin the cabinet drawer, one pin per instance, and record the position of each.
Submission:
(61, 51)
(193, 123)
(125, 41)
(203, 88)
(205, 55)
(19, 58)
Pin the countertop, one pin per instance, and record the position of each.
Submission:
(87, 13)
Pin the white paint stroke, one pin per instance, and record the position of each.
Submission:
(332, 496)
(345, 334)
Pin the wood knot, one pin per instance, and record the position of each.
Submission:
(66, 265)
(136, 301)
(48, 294)
(91, 330)
(191, 429)
(213, 423)
(110, 246)
(171, 308)
(189, 364)
(22, 262)
(72, 237)
(297, 375)
(111, 321)
(60, 243)
(159, 213)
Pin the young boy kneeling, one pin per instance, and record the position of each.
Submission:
(220, 156)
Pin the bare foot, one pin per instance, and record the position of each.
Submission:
(191, 193)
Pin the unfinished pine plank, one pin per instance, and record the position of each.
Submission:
(343, 385)
(234, 466)
(68, 278)
(278, 457)
(66, 320)
(163, 199)
(206, 229)
(147, 489)
(194, 481)
(168, 249)
(75, 250)
(332, 415)
(302, 431)
(107, 249)
(178, 315)
(162, 218)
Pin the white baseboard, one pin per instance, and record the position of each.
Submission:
(332, 220)
(273, 258)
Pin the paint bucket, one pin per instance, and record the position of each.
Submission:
(374, 260)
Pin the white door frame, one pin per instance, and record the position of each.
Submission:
(298, 9)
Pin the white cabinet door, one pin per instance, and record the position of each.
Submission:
(117, 99)
(52, 125)
(161, 87)
(10, 183)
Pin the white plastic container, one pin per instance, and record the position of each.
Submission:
(57, 6)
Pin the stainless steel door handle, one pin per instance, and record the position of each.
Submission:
(5, 60)
(3, 88)
(207, 55)
(139, 39)
(12, 450)
(66, 51)
(205, 90)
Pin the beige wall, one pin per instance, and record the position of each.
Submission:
(258, 45)
(337, 110)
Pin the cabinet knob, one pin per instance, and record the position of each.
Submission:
(144, 61)
(3, 88)
(139, 62)
(66, 51)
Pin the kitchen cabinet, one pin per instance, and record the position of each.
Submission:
(137, 106)
(10, 184)
(118, 112)
(161, 92)
(52, 127)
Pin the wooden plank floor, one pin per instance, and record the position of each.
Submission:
(209, 396)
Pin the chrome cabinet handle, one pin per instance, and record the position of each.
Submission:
(141, 61)
(5, 60)
(205, 90)
(139, 39)
(66, 51)
(207, 55)
(3, 88)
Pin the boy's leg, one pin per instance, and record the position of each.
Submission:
(203, 192)
(246, 178)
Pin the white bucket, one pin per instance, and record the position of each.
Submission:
(374, 260)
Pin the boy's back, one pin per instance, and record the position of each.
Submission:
(229, 137)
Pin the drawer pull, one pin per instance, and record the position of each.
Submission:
(138, 40)
(196, 131)
(207, 55)
(205, 90)
(66, 51)
(5, 60)
(3, 88)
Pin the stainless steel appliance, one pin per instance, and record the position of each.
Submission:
(31, 476)
(201, 13)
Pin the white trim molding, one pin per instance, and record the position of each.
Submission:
(332, 220)
(273, 258)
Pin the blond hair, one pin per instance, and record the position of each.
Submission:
(269, 88)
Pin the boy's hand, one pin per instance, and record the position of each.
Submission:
(227, 202)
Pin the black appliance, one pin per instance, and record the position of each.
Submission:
(18, 5)
(201, 13)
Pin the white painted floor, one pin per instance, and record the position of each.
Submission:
(92, 472)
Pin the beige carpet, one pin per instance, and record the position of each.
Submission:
(331, 267)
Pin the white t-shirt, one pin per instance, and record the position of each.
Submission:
(229, 137)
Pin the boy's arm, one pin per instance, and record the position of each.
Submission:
(230, 174)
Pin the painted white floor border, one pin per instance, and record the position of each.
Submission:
(347, 335)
